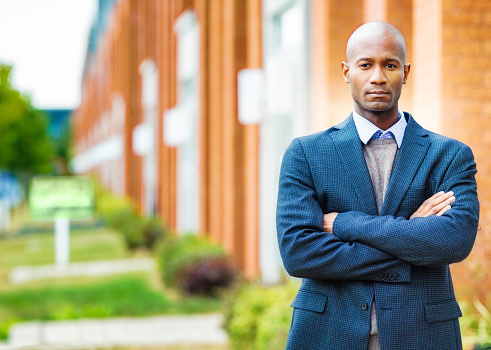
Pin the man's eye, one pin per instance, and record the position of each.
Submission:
(364, 65)
(391, 66)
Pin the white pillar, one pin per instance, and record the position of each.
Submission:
(62, 242)
(4, 215)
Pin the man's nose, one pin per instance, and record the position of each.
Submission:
(378, 76)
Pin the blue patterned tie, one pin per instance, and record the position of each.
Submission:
(380, 135)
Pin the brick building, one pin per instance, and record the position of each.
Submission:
(160, 118)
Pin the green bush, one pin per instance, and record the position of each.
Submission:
(178, 253)
(259, 317)
(120, 214)
(152, 232)
(475, 324)
(117, 212)
(207, 276)
(4, 328)
(142, 232)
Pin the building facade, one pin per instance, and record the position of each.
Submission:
(188, 105)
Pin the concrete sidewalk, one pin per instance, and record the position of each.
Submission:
(24, 274)
(103, 333)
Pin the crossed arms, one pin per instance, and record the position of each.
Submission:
(363, 246)
(437, 205)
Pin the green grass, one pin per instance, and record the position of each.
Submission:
(38, 249)
(126, 295)
(149, 347)
(178, 347)
(129, 295)
(135, 294)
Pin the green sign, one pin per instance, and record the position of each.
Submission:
(61, 197)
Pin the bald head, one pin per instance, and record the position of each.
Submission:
(379, 32)
(376, 71)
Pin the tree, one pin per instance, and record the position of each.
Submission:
(25, 149)
(63, 150)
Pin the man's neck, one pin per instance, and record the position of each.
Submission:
(383, 120)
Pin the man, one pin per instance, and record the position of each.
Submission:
(370, 214)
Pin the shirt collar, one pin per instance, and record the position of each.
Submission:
(366, 129)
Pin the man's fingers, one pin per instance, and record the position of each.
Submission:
(436, 195)
(441, 212)
(329, 221)
(440, 199)
(428, 204)
(436, 203)
(436, 209)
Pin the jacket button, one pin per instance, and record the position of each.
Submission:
(364, 306)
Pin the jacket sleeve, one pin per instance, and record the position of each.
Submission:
(310, 252)
(431, 241)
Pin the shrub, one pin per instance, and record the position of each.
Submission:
(119, 213)
(206, 276)
(272, 331)
(183, 258)
(475, 325)
(258, 317)
(152, 232)
(142, 232)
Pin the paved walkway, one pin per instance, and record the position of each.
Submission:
(103, 333)
(96, 268)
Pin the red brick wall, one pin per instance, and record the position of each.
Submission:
(426, 72)
(449, 46)
(332, 25)
(230, 40)
(466, 116)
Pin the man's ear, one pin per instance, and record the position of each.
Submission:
(407, 68)
(345, 70)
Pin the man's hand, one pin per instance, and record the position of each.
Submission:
(329, 221)
(437, 204)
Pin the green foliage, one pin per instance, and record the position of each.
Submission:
(63, 150)
(69, 312)
(258, 317)
(26, 149)
(120, 214)
(4, 327)
(129, 295)
(207, 276)
(142, 232)
(177, 253)
(475, 324)
(116, 211)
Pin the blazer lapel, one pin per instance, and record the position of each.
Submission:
(348, 146)
(411, 154)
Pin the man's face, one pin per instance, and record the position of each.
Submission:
(376, 72)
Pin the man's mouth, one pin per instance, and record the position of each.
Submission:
(378, 92)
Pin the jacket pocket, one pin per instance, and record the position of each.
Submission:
(311, 301)
(442, 311)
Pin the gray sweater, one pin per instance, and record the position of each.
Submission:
(380, 156)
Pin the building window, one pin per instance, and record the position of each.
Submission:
(188, 162)
(150, 88)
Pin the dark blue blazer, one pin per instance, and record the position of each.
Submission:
(402, 264)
